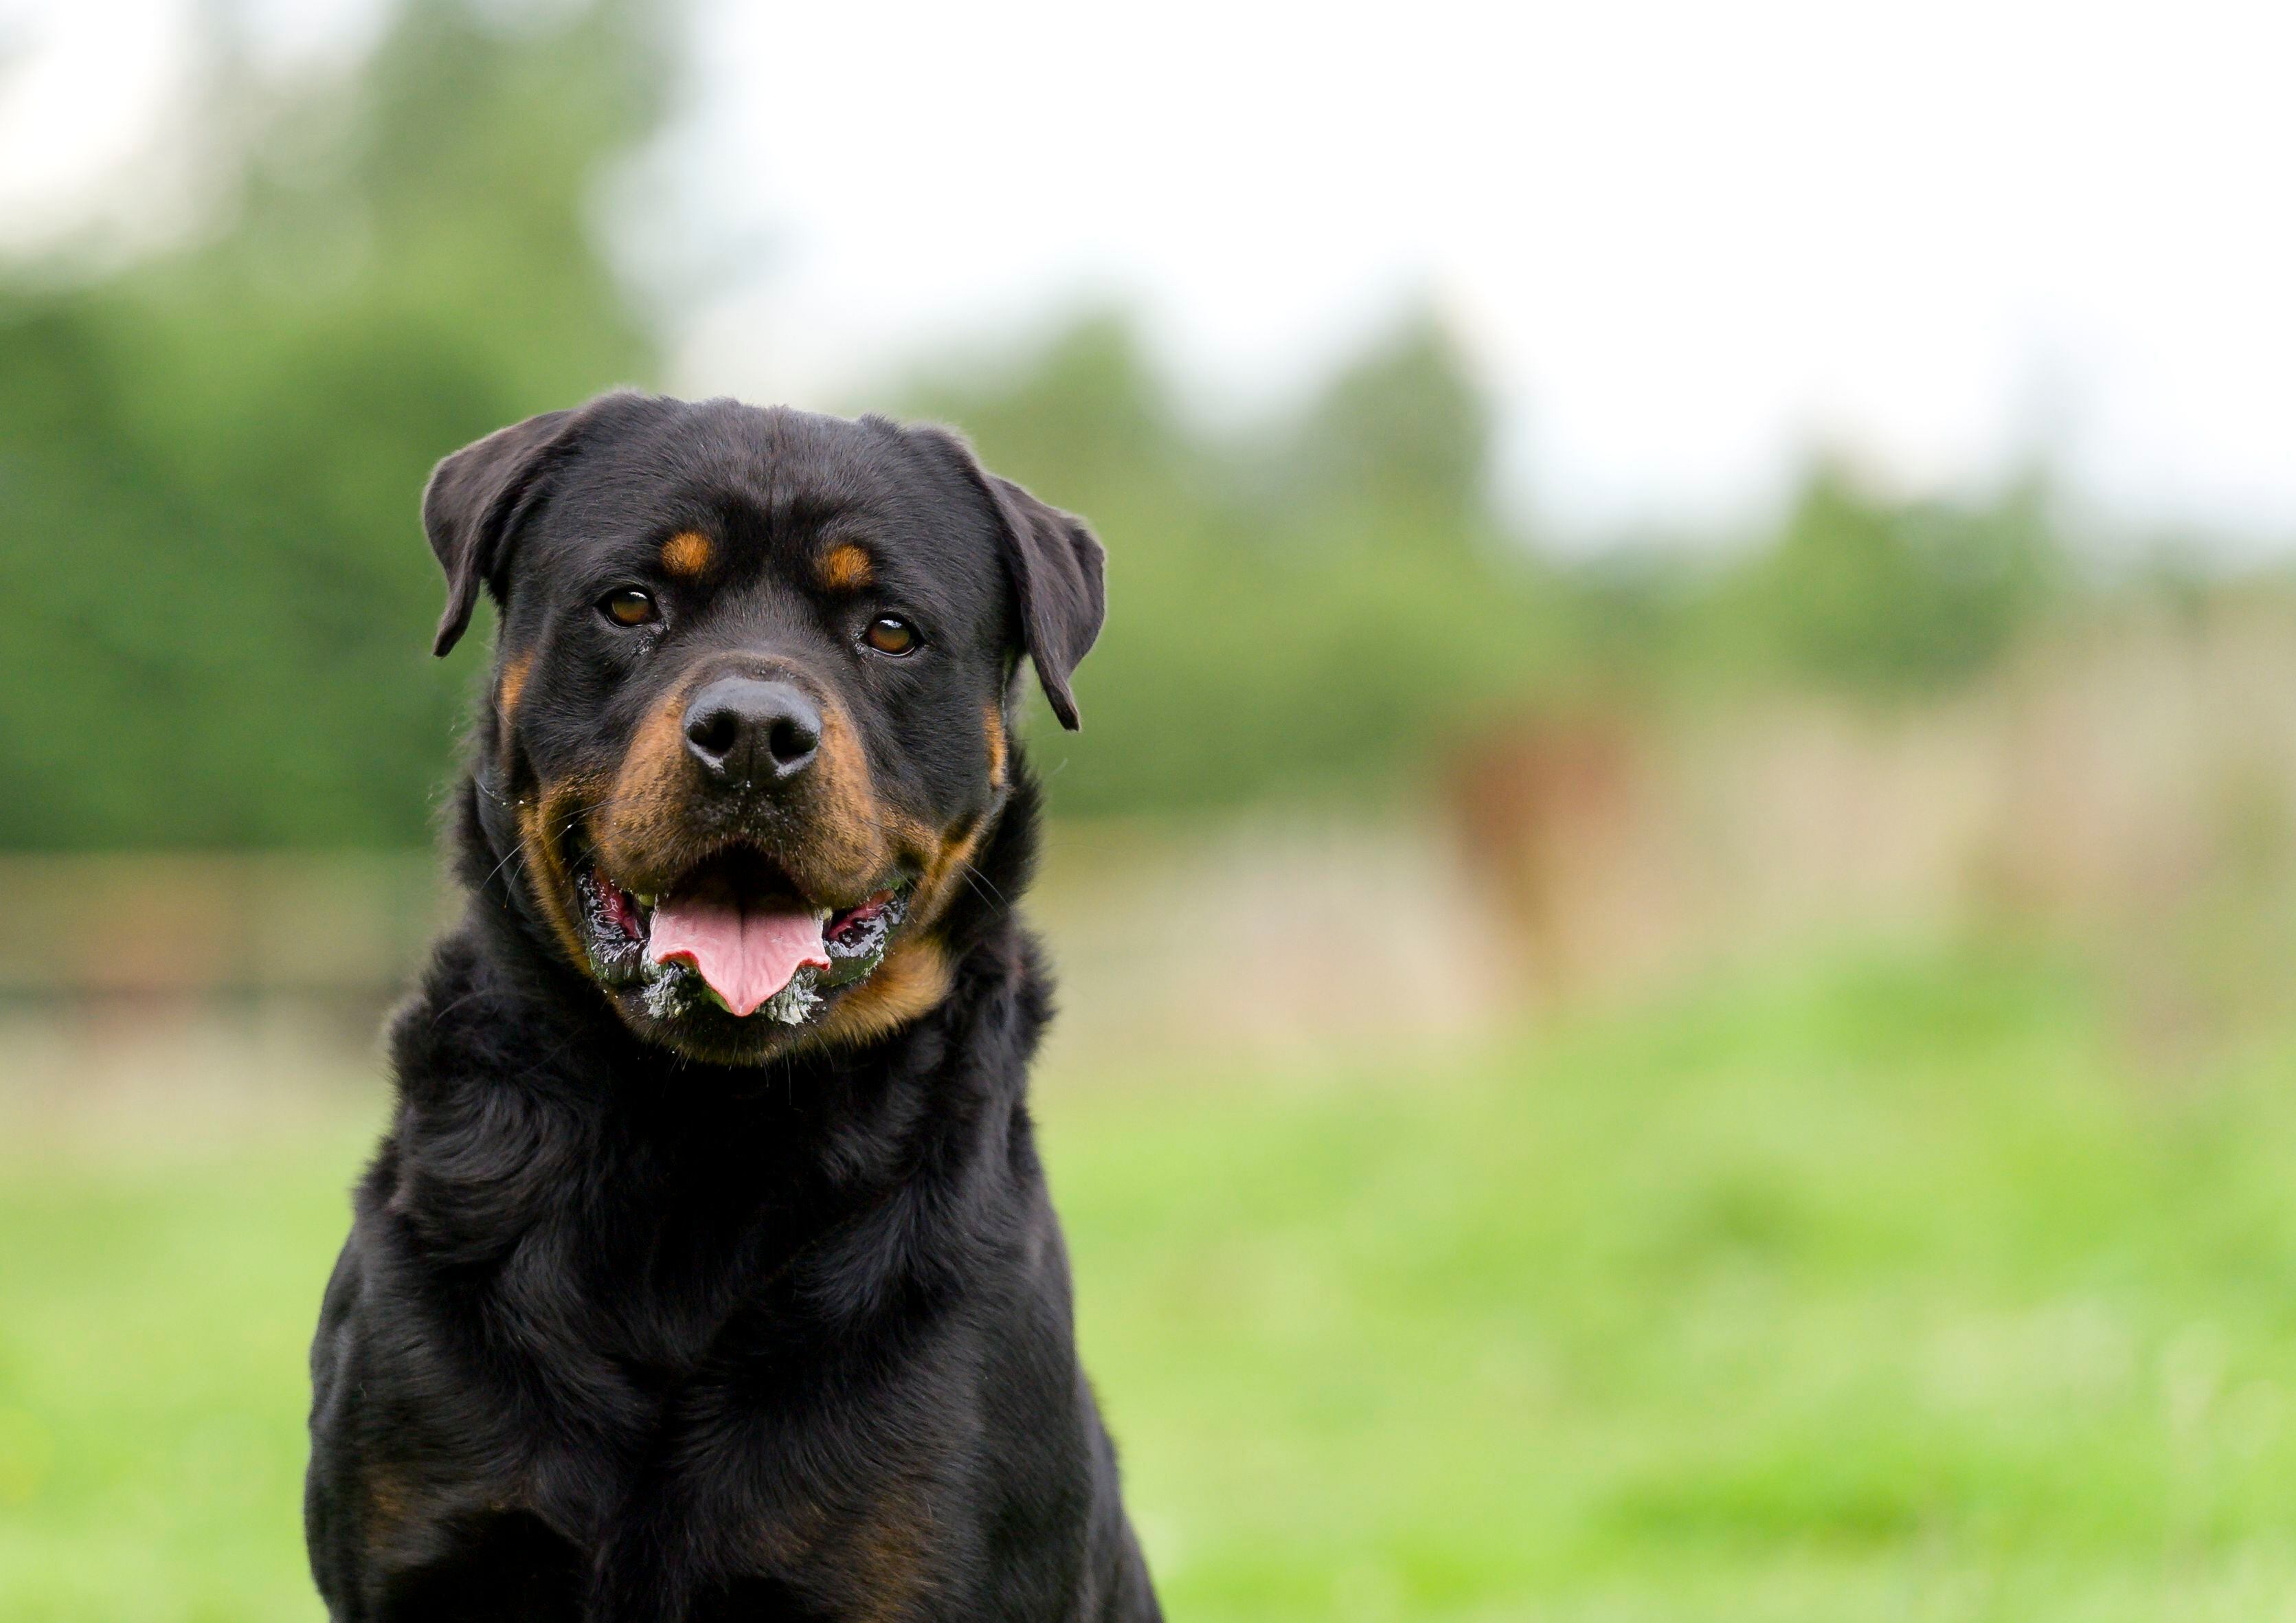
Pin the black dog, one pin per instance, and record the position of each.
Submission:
(708, 1269)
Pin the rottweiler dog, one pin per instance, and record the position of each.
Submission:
(706, 1270)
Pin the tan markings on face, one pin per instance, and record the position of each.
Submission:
(846, 568)
(916, 974)
(851, 842)
(513, 683)
(541, 825)
(638, 835)
(914, 978)
(850, 832)
(643, 836)
(686, 553)
(511, 689)
(995, 728)
(951, 856)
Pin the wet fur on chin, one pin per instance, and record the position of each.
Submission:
(623, 1336)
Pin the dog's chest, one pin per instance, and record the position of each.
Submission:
(803, 1508)
(707, 1387)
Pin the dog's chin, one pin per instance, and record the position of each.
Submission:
(702, 1032)
(732, 964)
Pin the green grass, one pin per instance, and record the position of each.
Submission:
(1888, 1293)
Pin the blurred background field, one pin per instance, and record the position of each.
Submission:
(1889, 1288)
(1725, 1058)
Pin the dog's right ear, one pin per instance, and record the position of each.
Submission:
(471, 505)
(1057, 566)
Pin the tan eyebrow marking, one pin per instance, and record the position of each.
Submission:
(686, 552)
(846, 568)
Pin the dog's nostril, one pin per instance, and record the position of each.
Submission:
(792, 740)
(714, 733)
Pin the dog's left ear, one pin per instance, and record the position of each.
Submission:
(470, 505)
(1058, 569)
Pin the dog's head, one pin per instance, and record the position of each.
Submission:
(752, 701)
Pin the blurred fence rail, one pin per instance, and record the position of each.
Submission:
(171, 927)
(2132, 788)
(1269, 928)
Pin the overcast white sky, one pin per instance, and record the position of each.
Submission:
(1686, 241)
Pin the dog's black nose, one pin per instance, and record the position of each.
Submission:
(746, 731)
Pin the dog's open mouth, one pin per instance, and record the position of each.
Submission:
(736, 931)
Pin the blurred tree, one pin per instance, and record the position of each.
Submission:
(1318, 606)
(1086, 411)
(208, 461)
(1884, 597)
(1401, 438)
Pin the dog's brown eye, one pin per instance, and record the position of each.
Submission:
(627, 606)
(890, 633)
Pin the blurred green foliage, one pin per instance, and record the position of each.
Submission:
(1285, 612)
(210, 461)
(1339, 597)
(1883, 597)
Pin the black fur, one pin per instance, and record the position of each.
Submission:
(620, 1334)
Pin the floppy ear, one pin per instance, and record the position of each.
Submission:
(469, 507)
(1057, 567)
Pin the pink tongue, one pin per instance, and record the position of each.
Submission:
(746, 958)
